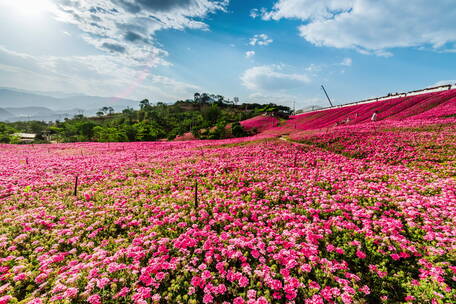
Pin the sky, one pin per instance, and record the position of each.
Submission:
(278, 51)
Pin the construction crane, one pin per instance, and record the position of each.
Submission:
(327, 95)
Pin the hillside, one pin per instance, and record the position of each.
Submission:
(35, 105)
(435, 105)
(429, 105)
(4, 114)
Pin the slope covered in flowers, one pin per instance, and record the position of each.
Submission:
(423, 106)
(260, 123)
(340, 215)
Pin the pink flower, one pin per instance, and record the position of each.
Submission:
(102, 282)
(238, 300)
(122, 293)
(206, 275)
(360, 254)
(395, 256)
(409, 298)
(306, 268)
(340, 250)
(160, 275)
(277, 295)
(262, 300)
(191, 290)
(221, 289)
(346, 298)
(365, 289)
(276, 284)
(330, 247)
(243, 281)
(197, 281)
(314, 285)
(5, 299)
(251, 293)
(20, 277)
(71, 292)
(156, 297)
(208, 298)
(285, 272)
(94, 299)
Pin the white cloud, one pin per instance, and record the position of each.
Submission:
(307, 9)
(346, 62)
(249, 54)
(103, 75)
(270, 78)
(314, 68)
(125, 32)
(371, 26)
(260, 39)
(127, 27)
(254, 13)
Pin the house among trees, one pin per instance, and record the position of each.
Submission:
(25, 137)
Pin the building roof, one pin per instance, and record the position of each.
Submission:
(25, 135)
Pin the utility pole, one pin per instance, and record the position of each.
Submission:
(294, 107)
(327, 95)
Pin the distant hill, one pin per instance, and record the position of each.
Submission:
(5, 115)
(22, 103)
(30, 111)
(55, 94)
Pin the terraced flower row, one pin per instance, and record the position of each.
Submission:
(270, 222)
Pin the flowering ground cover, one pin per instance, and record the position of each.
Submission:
(260, 123)
(326, 221)
(361, 212)
(427, 144)
(424, 106)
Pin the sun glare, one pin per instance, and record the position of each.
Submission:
(29, 7)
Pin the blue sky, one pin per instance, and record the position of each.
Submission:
(262, 51)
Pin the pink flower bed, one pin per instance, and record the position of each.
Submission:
(186, 136)
(260, 123)
(275, 222)
(430, 105)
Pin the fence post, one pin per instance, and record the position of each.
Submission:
(196, 194)
(75, 193)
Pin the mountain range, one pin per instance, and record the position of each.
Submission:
(17, 104)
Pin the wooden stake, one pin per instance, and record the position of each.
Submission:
(196, 194)
(202, 152)
(75, 193)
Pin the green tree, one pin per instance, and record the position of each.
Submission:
(237, 130)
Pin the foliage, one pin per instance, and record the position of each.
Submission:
(207, 116)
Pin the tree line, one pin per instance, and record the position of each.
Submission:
(206, 116)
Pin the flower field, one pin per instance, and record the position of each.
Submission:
(260, 123)
(350, 214)
(423, 106)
